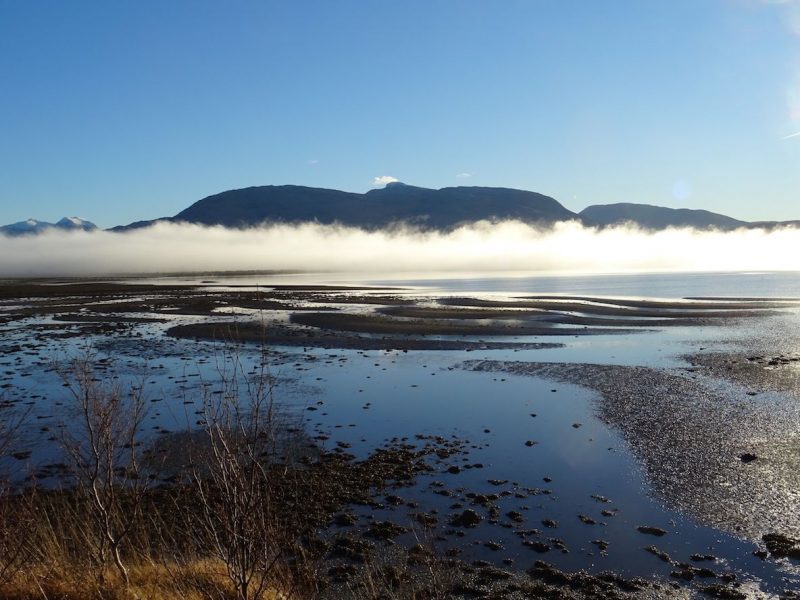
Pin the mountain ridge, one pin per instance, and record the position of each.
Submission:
(649, 216)
(398, 203)
(427, 208)
(439, 209)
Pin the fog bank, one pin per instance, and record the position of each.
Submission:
(509, 246)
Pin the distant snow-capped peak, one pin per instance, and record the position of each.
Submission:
(34, 226)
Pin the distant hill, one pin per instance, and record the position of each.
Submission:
(33, 226)
(656, 217)
(396, 203)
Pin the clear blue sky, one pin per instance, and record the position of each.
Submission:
(120, 111)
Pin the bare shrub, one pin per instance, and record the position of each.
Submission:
(103, 444)
(234, 472)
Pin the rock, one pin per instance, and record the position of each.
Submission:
(559, 544)
(468, 518)
(385, 530)
(426, 519)
(552, 524)
(747, 457)
(780, 545)
(660, 554)
(703, 557)
(536, 545)
(515, 516)
(685, 574)
(656, 531)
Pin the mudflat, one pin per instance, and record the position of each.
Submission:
(546, 381)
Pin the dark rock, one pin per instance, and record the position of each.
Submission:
(656, 531)
(660, 554)
(426, 519)
(515, 516)
(385, 530)
(685, 574)
(552, 524)
(703, 557)
(536, 545)
(468, 518)
(780, 545)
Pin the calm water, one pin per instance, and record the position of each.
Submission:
(660, 285)
(366, 398)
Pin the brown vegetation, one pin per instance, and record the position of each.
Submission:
(111, 532)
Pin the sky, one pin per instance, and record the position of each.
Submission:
(122, 111)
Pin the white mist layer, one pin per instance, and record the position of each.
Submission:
(511, 246)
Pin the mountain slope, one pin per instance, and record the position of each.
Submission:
(656, 217)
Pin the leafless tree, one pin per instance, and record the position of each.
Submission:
(103, 443)
(234, 470)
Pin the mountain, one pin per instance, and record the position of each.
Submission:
(445, 208)
(74, 223)
(657, 217)
(398, 203)
(32, 226)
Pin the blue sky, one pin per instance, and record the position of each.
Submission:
(120, 111)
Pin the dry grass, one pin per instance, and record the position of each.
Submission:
(109, 533)
(194, 580)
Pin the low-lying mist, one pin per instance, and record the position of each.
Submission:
(508, 246)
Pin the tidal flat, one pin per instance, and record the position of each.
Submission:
(629, 436)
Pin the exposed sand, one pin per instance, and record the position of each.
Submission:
(275, 335)
(689, 436)
(623, 308)
(382, 325)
